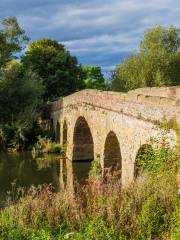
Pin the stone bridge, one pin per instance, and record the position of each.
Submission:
(113, 127)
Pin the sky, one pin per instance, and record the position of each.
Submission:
(97, 32)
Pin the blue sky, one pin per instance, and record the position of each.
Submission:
(98, 32)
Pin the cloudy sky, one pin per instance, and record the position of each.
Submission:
(98, 32)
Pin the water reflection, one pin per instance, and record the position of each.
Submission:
(26, 171)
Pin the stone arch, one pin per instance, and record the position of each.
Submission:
(65, 130)
(112, 153)
(145, 151)
(58, 132)
(83, 145)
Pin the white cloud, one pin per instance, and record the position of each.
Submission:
(89, 28)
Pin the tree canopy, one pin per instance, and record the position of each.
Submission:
(56, 67)
(93, 77)
(156, 64)
(20, 91)
(20, 95)
(12, 39)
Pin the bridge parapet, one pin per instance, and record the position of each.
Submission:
(166, 92)
(147, 103)
(112, 127)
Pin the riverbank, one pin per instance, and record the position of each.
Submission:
(148, 209)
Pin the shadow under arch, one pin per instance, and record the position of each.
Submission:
(112, 153)
(65, 129)
(144, 154)
(58, 132)
(83, 145)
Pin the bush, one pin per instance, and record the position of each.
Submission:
(45, 145)
(96, 170)
(175, 234)
(55, 148)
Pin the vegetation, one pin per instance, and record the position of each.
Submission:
(12, 40)
(156, 64)
(45, 72)
(20, 91)
(170, 124)
(93, 78)
(148, 209)
(96, 169)
(20, 102)
(46, 145)
(58, 70)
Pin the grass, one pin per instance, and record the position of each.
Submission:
(46, 145)
(169, 124)
(101, 210)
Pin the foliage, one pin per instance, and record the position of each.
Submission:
(156, 64)
(170, 124)
(20, 102)
(152, 159)
(45, 145)
(55, 66)
(96, 169)
(12, 136)
(20, 92)
(12, 39)
(100, 210)
(93, 77)
(2, 139)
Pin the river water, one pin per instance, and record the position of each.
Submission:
(21, 170)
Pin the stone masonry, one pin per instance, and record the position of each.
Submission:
(113, 126)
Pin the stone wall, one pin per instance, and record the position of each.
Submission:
(166, 92)
(97, 120)
(141, 103)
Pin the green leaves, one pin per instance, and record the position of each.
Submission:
(156, 64)
(20, 94)
(160, 40)
(58, 70)
(12, 39)
(93, 77)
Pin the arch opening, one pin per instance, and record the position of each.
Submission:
(83, 145)
(58, 134)
(143, 159)
(112, 153)
(65, 129)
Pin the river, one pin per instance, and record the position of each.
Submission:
(22, 170)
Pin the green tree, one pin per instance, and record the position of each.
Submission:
(20, 94)
(12, 39)
(20, 91)
(156, 64)
(93, 77)
(59, 70)
(20, 101)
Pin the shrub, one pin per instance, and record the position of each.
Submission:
(175, 234)
(96, 170)
(45, 145)
(55, 148)
(153, 159)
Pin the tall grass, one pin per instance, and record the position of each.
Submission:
(148, 209)
(46, 145)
